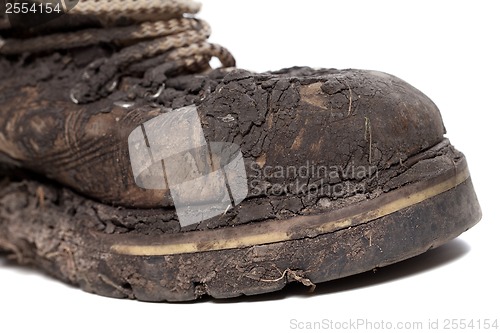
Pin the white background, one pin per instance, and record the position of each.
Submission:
(447, 49)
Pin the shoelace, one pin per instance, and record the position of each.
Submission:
(163, 29)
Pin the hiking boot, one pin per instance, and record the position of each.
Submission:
(132, 169)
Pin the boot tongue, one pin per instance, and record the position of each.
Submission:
(136, 32)
(37, 15)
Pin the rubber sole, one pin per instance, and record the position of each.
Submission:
(262, 257)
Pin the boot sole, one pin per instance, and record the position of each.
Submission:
(263, 257)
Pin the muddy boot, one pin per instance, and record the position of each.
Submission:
(132, 169)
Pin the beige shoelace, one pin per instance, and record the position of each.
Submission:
(155, 28)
